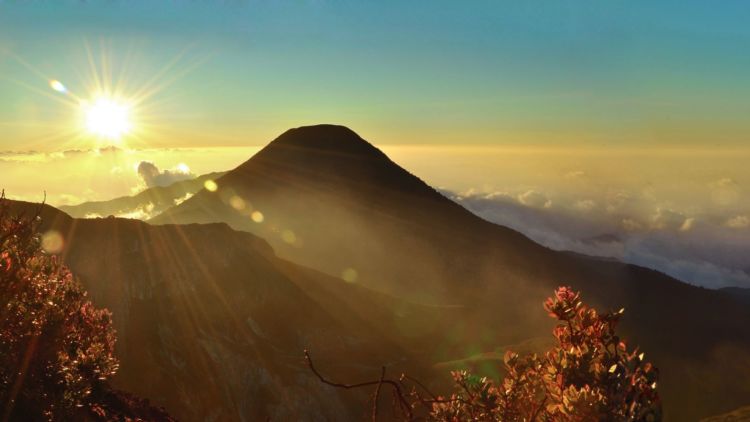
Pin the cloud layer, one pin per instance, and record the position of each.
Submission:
(706, 250)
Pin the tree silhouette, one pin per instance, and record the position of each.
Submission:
(56, 348)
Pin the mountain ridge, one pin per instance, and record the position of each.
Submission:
(211, 324)
(149, 202)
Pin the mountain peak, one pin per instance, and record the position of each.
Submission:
(328, 138)
(322, 153)
(332, 161)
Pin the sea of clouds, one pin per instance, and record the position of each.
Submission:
(706, 250)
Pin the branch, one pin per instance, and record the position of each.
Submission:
(404, 404)
(377, 395)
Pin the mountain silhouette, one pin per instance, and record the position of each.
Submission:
(326, 198)
(335, 191)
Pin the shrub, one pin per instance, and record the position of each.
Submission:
(589, 375)
(55, 346)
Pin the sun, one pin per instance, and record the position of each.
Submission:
(109, 105)
(107, 117)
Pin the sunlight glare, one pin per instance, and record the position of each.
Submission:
(107, 118)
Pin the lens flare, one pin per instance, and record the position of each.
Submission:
(52, 242)
(210, 185)
(349, 275)
(289, 237)
(57, 86)
(237, 203)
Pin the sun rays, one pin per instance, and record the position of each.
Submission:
(114, 95)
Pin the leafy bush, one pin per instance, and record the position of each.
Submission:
(55, 346)
(588, 376)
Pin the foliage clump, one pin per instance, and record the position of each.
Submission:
(56, 348)
(589, 375)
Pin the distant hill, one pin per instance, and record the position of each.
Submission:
(326, 198)
(145, 204)
(212, 325)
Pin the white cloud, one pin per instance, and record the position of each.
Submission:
(178, 201)
(702, 249)
(152, 176)
(667, 219)
(532, 198)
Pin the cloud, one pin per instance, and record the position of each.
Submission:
(532, 198)
(45, 157)
(724, 182)
(703, 250)
(575, 174)
(71, 176)
(152, 176)
(68, 199)
(187, 196)
(693, 271)
(725, 191)
(666, 219)
(141, 212)
(617, 201)
(738, 222)
(688, 224)
(584, 205)
(631, 225)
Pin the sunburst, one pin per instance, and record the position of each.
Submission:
(110, 104)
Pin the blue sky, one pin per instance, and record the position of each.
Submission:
(531, 72)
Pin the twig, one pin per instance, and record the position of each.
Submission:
(397, 389)
(377, 395)
(422, 386)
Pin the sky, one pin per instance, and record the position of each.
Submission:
(532, 72)
(607, 127)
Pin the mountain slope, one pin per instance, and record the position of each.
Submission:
(211, 324)
(330, 188)
(333, 202)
